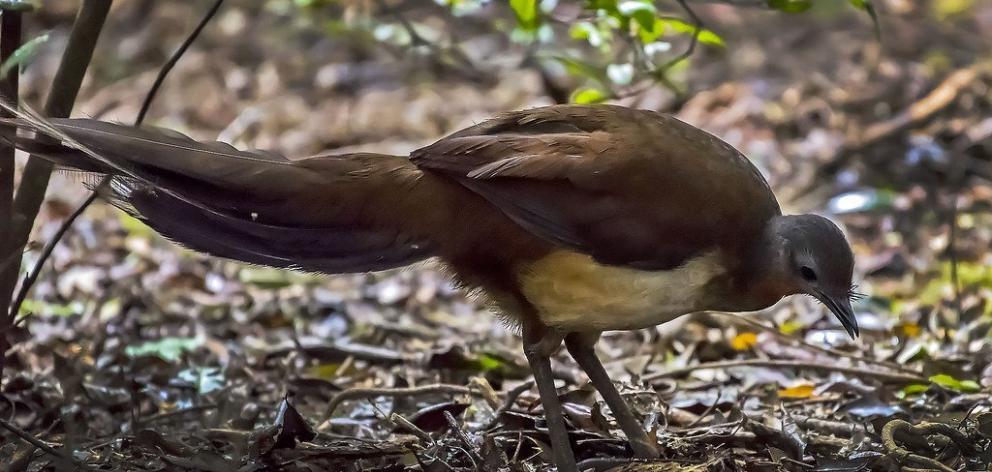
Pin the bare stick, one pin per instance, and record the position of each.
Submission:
(167, 67)
(32, 277)
(175, 413)
(508, 401)
(10, 42)
(697, 28)
(904, 456)
(918, 112)
(469, 447)
(65, 86)
(40, 444)
(399, 420)
(892, 377)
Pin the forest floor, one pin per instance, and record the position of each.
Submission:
(138, 355)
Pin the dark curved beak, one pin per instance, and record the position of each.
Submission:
(840, 306)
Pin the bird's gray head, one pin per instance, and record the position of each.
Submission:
(810, 255)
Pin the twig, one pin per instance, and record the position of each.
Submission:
(356, 393)
(893, 377)
(32, 277)
(814, 347)
(399, 420)
(709, 410)
(798, 463)
(10, 42)
(836, 428)
(40, 444)
(64, 89)
(175, 413)
(903, 456)
(508, 401)
(920, 111)
(952, 252)
(465, 66)
(698, 26)
(167, 67)
(470, 448)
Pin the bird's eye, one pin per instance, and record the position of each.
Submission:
(807, 274)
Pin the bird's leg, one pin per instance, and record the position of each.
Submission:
(580, 345)
(539, 344)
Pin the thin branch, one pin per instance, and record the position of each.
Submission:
(904, 456)
(508, 401)
(40, 444)
(46, 252)
(952, 252)
(64, 89)
(404, 423)
(167, 67)
(892, 377)
(920, 111)
(462, 63)
(32, 277)
(174, 413)
(10, 41)
(698, 26)
(470, 448)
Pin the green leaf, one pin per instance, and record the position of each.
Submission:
(587, 95)
(705, 36)
(587, 31)
(913, 389)
(949, 382)
(494, 363)
(168, 349)
(970, 386)
(607, 5)
(23, 55)
(650, 35)
(640, 11)
(791, 6)
(526, 13)
(40, 307)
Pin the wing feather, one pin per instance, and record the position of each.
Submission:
(625, 186)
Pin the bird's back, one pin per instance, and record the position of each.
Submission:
(628, 187)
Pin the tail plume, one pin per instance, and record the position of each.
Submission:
(328, 213)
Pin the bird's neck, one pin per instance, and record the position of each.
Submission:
(760, 277)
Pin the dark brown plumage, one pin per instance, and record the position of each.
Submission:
(572, 219)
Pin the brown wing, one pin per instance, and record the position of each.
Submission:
(629, 187)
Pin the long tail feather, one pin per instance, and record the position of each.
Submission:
(253, 206)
